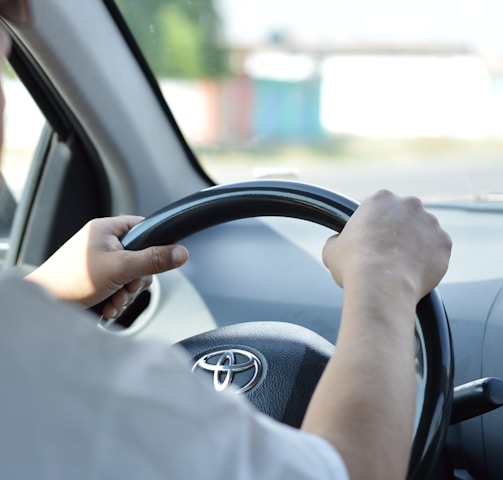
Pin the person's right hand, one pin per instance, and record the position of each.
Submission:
(393, 241)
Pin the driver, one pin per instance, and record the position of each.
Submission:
(78, 402)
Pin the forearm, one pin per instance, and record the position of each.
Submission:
(364, 404)
(390, 254)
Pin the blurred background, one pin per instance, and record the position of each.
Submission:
(353, 95)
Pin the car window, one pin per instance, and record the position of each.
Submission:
(22, 129)
(353, 96)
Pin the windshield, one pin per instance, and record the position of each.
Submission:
(350, 95)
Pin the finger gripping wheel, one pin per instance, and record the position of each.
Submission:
(288, 380)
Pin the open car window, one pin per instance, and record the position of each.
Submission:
(354, 97)
(23, 127)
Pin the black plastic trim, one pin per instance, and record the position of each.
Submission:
(39, 87)
(60, 118)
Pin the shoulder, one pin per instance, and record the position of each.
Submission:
(136, 400)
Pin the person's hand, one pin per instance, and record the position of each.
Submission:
(93, 266)
(390, 254)
(393, 241)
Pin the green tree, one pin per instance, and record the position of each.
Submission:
(179, 38)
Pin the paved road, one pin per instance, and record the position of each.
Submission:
(428, 180)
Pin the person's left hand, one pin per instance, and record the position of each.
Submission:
(93, 266)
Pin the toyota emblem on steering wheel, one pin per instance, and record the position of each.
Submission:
(236, 367)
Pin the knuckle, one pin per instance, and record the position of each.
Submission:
(414, 203)
(157, 260)
(383, 195)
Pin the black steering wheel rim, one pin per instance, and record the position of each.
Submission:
(224, 203)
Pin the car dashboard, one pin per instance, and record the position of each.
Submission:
(270, 269)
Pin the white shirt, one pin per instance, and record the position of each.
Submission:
(80, 403)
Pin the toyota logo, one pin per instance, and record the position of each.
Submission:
(235, 367)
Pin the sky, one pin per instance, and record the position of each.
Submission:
(475, 23)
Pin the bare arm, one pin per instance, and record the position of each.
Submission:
(388, 257)
(92, 266)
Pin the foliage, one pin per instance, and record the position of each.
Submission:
(179, 38)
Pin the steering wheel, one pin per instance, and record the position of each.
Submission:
(277, 365)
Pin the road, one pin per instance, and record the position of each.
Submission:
(430, 180)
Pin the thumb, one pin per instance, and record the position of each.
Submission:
(331, 257)
(327, 252)
(155, 259)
